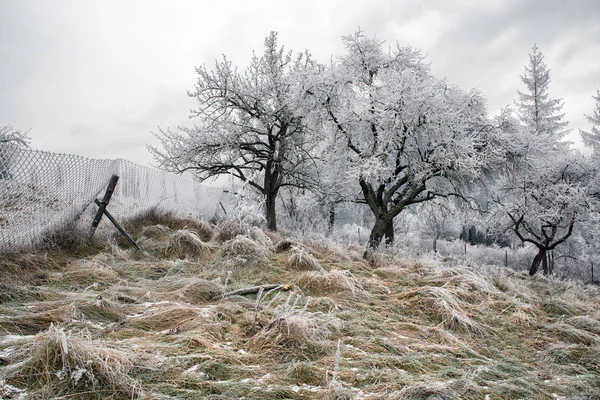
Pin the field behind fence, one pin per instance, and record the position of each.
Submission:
(43, 193)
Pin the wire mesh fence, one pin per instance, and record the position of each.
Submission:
(42, 193)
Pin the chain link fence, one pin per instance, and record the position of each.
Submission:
(42, 193)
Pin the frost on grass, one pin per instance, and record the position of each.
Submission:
(156, 232)
(444, 307)
(424, 391)
(244, 251)
(185, 243)
(586, 323)
(329, 282)
(571, 334)
(170, 318)
(301, 260)
(188, 289)
(63, 363)
(285, 244)
(86, 273)
(229, 229)
(295, 333)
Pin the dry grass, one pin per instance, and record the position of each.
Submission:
(229, 229)
(200, 291)
(296, 334)
(33, 323)
(153, 218)
(243, 251)
(186, 243)
(322, 283)
(444, 306)
(63, 363)
(86, 273)
(178, 317)
(429, 391)
(571, 334)
(156, 232)
(586, 323)
(408, 329)
(285, 245)
(301, 260)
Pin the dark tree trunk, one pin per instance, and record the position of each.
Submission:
(537, 260)
(270, 211)
(331, 217)
(377, 233)
(389, 232)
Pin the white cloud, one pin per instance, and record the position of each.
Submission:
(94, 78)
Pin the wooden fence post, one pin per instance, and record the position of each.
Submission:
(102, 204)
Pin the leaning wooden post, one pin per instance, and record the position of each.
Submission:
(116, 224)
(102, 204)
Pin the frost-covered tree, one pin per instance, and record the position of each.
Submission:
(401, 136)
(16, 137)
(246, 127)
(536, 109)
(544, 199)
(544, 188)
(592, 138)
(10, 140)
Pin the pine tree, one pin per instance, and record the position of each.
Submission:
(592, 138)
(536, 109)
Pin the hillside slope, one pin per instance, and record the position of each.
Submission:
(106, 322)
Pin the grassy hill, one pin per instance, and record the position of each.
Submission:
(312, 321)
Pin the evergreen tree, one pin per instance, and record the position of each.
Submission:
(592, 138)
(540, 113)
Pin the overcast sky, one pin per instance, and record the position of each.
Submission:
(95, 77)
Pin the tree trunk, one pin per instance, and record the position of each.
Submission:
(378, 231)
(270, 211)
(331, 217)
(389, 232)
(537, 260)
(545, 265)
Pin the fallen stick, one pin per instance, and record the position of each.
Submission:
(254, 289)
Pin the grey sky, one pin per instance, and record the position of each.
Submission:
(95, 77)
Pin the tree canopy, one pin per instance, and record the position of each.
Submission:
(401, 134)
(245, 127)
